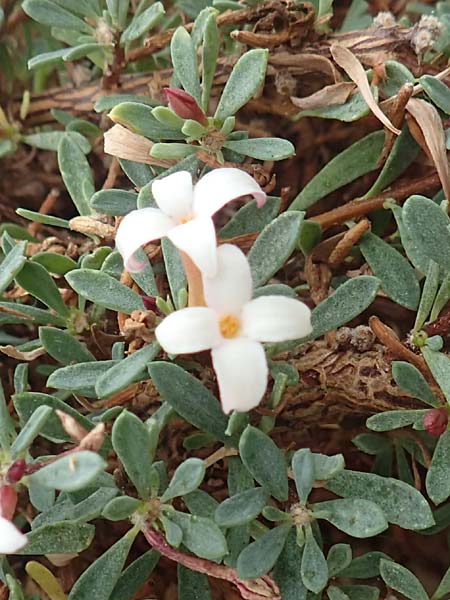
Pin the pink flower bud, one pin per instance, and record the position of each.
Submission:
(8, 501)
(184, 105)
(436, 421)
(150, 303)
(16, 471)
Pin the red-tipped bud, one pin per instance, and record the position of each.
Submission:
(150, 303)
(8, 502)
(184, 105)
(436, 421)
(16, 471)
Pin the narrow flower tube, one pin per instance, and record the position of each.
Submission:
(233, 327)
(11, 539)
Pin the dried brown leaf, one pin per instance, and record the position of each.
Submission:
(336, 93)
(13, 352)
(429, 121)
(123, 143)
(354, 69)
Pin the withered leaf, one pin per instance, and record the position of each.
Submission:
(329, 95)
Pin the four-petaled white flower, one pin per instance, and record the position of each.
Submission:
(232, 326)
(184, 215)
(11, 539)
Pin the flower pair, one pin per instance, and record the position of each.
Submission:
(231, 324)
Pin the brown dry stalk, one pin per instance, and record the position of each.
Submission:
(397, 115)
(263, 588)
(387, 336)
(358, 208)
(351, 237)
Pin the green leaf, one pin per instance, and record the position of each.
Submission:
(184, 60)
(210, 52)
(356, 517)
(26, 403)
(396, 275)
(394, 419)
(11, 265)
(86, 510)
(36, 281)
(428, 226)
(403, 153)
(174, 269)
(303, 469)
(410, 379)
(138, 117)
(443, 587)
(249, 218)
(82, 376)
(114, 202)
(357, 160)
(241, 508)
(63, 347)
(429, 291)
(134, 576)
(59, 538)
(244, 81)
(187, 477)
(335, 593)
(191, 400)
(110, 101)
(201, 536)
(339, 557)
(438, 480)
(265, 461)
(344, 304)
(127, 371)
(31, 313)
(262, 148)
(54, 263)
(439, 365)
(437, 91)
(287, 568)
(30, 430)
(401, 503)
(49, 13)
(402, 580)
(360, 592)
(104, 290)
(119, 509)
(49, 140)
(83, 50)
(45, 219)
(143, 22)
(76, 174)
(314, 568)
(274, 245)
(133, 444)
(192, 585)
(365, 566)
(326, 467)
(259, 557)
(101, 577)
(7, 429)
(70, 473)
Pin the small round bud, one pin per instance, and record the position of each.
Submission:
(436, 421)
(16, 471)
(150, 303)
(184, 105)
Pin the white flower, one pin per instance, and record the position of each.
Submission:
(185, 215)
(233, 326)
(11, 539)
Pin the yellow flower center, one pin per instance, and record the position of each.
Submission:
(229, 326)
(186, 219)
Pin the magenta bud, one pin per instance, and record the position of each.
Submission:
(184, 105)
(16, 471)
(150, 303)
(436, 421)
(8, 501)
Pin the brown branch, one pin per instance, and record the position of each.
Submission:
(358, 208)
(263, 588)
(344, 246)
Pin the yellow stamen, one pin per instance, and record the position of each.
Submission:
(229, 326)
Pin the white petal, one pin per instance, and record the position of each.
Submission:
(189, 330)
(136, 229)
(241, 370)
(231, 286)
(275, 319)
(197, 238)
(221, 186)
(11, 539)
(174, 194)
